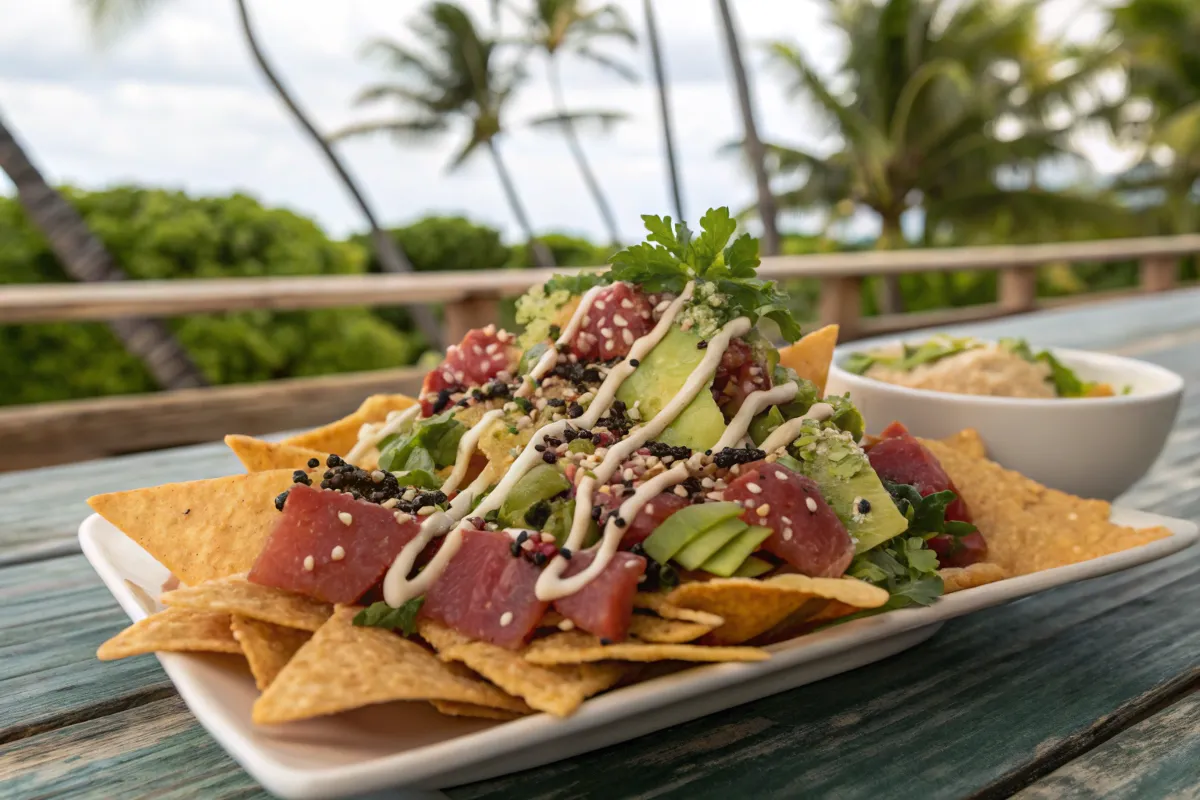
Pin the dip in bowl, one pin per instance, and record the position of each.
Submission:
(1095, 445)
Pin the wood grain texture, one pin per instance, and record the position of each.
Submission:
(1158, 757)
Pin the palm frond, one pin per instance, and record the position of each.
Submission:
(111, 18)
(402, 129)
(601, 118)
(607, 62)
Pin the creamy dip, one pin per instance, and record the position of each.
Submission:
(988, 369)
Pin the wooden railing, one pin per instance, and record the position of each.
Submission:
(75, 430)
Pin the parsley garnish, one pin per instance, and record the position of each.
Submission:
(672, 256)
(381, 615)
(1066, 382)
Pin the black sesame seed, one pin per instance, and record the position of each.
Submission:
(565, 553)
(606, 642)
(556, 402)
(300, 476)
(521, 537)
(633, 362)
(313, 463)
(620, 521)
(596, 511)
(539, 558)
(541, 448)
(574, 411)
(864, 506)
(443, 400)
(334, 461)
(280, 499)
(549, 457)
(553, 442)
(702, 345)
(515, 549)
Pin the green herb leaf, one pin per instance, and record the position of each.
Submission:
(577, 283)
(381, 615)
(419, 479)
(428, 446)
(1066, 382)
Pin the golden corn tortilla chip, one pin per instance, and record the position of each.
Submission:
(340, 436)
(660, 605)
(236, 595)
(257, 455)
(577, 647)
(1030, 527)
(268, 648)
(453, 708)
(555, 690)
(200, 530)
(172, 630)
(955, 579)
(666, 631)
(810, 357)
(752, 607)
(968, 442)
(344, 667)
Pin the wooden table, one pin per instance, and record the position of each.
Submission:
(1084, 691)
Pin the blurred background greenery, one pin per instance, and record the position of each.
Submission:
(956, 124)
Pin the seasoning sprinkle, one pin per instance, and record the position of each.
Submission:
(308, 563)
(812, 504)
(338, 553)
(345, 517)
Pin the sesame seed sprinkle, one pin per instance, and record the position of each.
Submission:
(763, 510)
(338, 553)
(506, 619)
(345, 517)
(811, 503)
(308, 564)
(754, 488)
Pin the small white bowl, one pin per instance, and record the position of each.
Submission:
(1091, 447)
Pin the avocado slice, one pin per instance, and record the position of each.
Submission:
(844, 475)
(766, 422)
(752, 567)
(679, 529)
(538, 485)
(658, 379)
(726, 561)
(706, 544)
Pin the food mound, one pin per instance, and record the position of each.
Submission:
(641, 475)
(1007, 368)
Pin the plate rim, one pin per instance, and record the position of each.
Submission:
(415, 766)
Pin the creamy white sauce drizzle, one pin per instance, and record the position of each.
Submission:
(786, 433)
(754, 404)
(370, 436)
(466, 448)
(550, 357)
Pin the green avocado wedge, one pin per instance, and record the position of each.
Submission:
(729, 559)
(540, 483)
(703, 547)
(658, 379)
(679, 529)
(752, 567)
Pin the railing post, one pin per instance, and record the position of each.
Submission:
(1018, 289)
(1158, 273)
(467, 313)
(841, 305)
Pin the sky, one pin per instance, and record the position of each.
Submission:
(175, 101)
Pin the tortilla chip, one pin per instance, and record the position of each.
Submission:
(344, 667)
(659, 604)
(810, 357)
(453, 708)
(956, 579)
(555, 690)
(200, 530)
(968, 442)
(340, 436)
(1029, 527)
(236, 595)
(257, 455)
(577, 647)
(172, 631)
(752, 607)
(666, 631)
(268, 648)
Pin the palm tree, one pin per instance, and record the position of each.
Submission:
(1158, 40)
(952, 109)
(557, 26)
(110, 16)
(85, 258)
(664, 106)
(459, 79)
(755, 153)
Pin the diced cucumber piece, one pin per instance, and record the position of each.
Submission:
(728, 559)
(752, 567)
(679, 529)
(703, 546)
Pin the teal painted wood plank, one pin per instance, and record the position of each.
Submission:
(1158, 757)
(155, 750)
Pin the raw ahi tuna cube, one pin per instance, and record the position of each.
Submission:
(605, 606)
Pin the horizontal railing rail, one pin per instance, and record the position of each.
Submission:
(74, 430)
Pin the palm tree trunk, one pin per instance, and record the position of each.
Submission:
(585, 169)
(386, 250)
(85, 259)
(541, 254)
(755, 152)
(891, 299)
(664, 106)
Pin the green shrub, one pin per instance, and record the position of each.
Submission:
(156, 234)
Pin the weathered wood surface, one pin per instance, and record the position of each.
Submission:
(79, 430)
(1049, 693)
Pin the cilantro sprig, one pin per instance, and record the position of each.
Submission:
(381, 615)
(672, 255)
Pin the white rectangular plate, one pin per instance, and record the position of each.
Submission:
(411, 745)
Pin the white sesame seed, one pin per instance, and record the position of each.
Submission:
(812, 504)
(787, 534)
(607, 333)
(547, 537)
(608, 345)
(391, 502)
(781, 475)
(785, 520)
(707, 483)
(505, 619)
(627, 474)
(620, 321)
(632, 564)
(338, 553)
(345, 517)
(748, 503)
(566, 625)
(402, 517)
(425, 511)
(477, 350)
(648, 508)
(626, 304)
(715, 496)
(408, 495)
(680, 491)
(377, 476)
(308, 563)
(600, 304)
(627, 335)
(754, 488)
(491, 348)
(763, 510)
